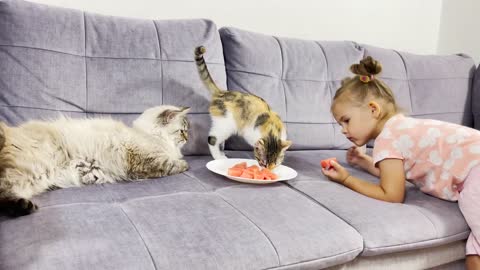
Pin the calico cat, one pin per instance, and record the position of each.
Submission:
(41, 155)
(234, 112)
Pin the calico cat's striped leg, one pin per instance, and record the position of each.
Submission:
(215, 148)
(222, 129)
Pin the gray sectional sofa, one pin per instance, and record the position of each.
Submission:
(55, 60)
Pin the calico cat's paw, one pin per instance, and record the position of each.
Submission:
(21, 207)
(219, 155)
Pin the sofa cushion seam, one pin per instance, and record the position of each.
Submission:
(326, 208)
(319, 259)
(159, 56)
(241, 213)
(407, 79)
(282, 81)
(424, 241)
(107, 57)
(139, 235)
(85, 60)
(251, 221)
(229, 69)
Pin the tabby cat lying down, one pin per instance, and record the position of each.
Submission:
(42, 155)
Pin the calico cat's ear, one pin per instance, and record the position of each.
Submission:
(167, 116)
(286, 144)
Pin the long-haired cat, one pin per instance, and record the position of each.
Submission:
(41, 155)
(234, 112)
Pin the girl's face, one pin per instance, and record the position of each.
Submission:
(359, 123)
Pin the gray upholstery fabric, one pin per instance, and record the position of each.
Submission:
(476, 99)
(170, 224)
(55, 60)
(421, 221)
(299, 78)
(75, 236)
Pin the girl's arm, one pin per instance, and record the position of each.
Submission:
(356, 156)
(392, 181)
(367, 165)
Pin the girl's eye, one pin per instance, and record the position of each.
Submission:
(347, 120)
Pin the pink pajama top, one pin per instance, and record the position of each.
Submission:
(437, 156)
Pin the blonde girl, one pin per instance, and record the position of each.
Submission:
(442, 159)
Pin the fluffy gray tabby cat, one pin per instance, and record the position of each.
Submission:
(41, 155)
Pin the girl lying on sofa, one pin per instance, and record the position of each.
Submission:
(442, 159)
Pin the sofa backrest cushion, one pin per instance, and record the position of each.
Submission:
(55, 60)
(476, 99)
(298, 78)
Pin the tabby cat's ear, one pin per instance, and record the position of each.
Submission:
(184, 110)
(286, 144)
(167, 116)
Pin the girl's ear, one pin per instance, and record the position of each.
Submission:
(375, 109)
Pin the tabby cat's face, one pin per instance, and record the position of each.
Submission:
(270, 151)
(165, 119)
(179, 131)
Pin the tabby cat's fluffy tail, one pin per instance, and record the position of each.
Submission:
(203, 71)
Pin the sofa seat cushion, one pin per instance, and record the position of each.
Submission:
(421, 221)
(74, 236)
(194, 220)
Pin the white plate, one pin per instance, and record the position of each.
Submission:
(221, 167)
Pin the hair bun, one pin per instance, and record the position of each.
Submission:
(367, 66)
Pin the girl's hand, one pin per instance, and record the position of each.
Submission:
(356, 156)
(336, 173)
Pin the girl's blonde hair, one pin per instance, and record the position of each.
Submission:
(365, 85)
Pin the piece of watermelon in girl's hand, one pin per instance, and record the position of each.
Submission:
(326, 163)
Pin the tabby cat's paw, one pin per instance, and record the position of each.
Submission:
(179, 166)
(184, 165)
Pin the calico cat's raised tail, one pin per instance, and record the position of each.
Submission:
(247, 115)
(204, 74)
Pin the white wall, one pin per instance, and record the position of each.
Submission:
(460, 28)
(407, 25)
